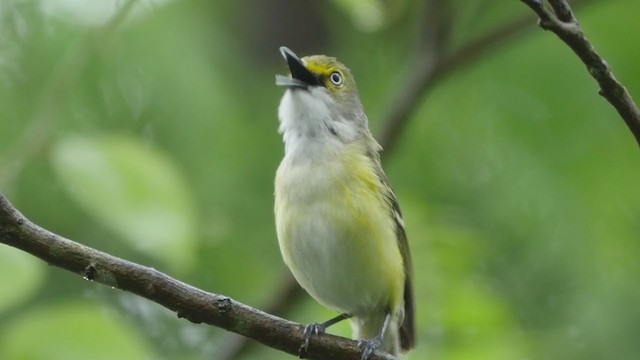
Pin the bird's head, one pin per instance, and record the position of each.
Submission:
(321, 98)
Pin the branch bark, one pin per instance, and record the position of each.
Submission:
(561, 21)
(191, 303)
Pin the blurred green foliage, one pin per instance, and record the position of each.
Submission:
(155, 140)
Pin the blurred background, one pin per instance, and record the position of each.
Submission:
(148, 129)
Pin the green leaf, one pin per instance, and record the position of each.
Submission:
(71, 331)
(15, 289)
(132, 189)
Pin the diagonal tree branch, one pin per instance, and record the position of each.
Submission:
(561, 21)
(193, 304)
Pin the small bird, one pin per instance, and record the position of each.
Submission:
(338, 222)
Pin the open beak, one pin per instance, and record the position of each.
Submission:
(300, 76)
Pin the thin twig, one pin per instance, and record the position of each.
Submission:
(193, 304)
(562, 22)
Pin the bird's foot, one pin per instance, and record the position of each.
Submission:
(369, 346)
(313, 329)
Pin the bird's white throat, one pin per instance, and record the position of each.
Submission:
(310, 125)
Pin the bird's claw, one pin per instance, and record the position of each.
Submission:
(313, 329)
(369, 347)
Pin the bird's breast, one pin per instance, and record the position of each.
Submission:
(335, 232)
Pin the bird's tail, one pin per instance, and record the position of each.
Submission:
(367, 328)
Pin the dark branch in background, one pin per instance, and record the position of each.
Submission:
(434, 62)
(437, 23)
(430, 69)
(193, 304)
(561, 21)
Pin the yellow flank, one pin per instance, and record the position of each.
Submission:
(336, 233)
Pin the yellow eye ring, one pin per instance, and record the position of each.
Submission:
(336, 78)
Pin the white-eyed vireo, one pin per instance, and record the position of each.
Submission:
(338, 222)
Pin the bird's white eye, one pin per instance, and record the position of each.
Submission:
(336, 78)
